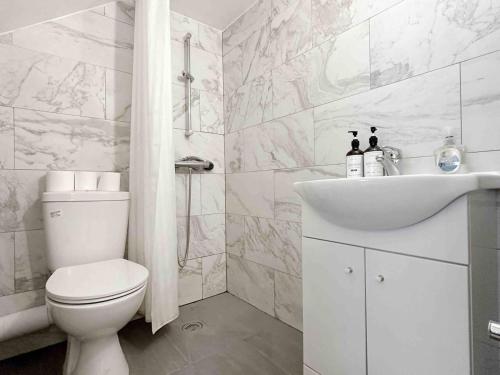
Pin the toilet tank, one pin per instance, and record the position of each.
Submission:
(84, 227)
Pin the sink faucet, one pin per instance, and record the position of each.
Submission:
(390, 160)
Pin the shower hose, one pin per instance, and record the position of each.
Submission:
(183, 260)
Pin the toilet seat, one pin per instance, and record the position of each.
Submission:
(96, 282)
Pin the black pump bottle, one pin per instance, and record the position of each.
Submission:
(354, 158)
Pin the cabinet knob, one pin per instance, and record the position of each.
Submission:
(380, 278)
(348, 270)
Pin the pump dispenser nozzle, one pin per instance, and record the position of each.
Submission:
(373, 139)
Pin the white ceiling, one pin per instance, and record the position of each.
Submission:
(217, 13)
(20, 13)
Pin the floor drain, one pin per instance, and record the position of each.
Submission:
(192, 326)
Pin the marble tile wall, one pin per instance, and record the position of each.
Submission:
(65, 94)
(205, 273)
(299, 73)
(65, 104)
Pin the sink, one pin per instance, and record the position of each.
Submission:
(390, 202)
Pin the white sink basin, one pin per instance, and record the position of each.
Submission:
(381, 203)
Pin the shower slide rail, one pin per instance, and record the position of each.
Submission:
(188, 79)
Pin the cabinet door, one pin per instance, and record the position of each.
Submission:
(334, 308)
(417, 316)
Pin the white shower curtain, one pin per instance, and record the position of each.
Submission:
(152, 228)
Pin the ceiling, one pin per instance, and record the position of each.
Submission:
(217, 13)
(20, 13)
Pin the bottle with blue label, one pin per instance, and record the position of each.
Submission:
(450, 158)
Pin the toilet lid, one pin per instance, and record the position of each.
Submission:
(96, 282)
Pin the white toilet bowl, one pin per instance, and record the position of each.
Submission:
(91, 303)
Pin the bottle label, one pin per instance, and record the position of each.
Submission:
(354, 166)
(373, 168)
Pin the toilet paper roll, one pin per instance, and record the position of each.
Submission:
(109, 181)
(85, 181)
(60, 181)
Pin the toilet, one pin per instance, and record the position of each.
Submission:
(92, 292)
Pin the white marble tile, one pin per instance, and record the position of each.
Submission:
(235, 234)
(248, 23)
(410, 115)
(118, 95)
(290, 29)
(6, 264)
(191, 282)
(251, 282)
(211, 112)
(87, 37)
(273, 243)
(483, 161)
(288, 299)
(123, 11)
(250, 194)
(205, 145)
(287, 142)
(417, 36)
(6, 138)
(181, 25)
(250, 105)
(332, 17)
(258, 54)
(21, 301)
(287, 205)
(30, 262)
(6, 38)
(335, 69)
(210, 39)
(39, 81)
(234, 152)
(54, 141)
(481, 103)
(213, 193)
(182, 193)
(179, 108)
(214, 275)
(233, 70)
(20, 206)
(207, 235)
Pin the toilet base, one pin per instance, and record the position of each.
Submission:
(98, 356)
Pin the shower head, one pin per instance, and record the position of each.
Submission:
(195, 163)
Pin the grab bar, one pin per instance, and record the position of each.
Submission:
(188, 78)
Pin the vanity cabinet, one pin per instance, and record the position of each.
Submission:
(375, 308)
(334, 308)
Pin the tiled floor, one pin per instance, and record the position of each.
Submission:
(235, 338)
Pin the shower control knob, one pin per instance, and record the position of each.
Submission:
(380, 278)
(348, 270)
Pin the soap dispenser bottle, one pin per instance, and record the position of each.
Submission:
(450, 157)
(372, 167)
(354, 158)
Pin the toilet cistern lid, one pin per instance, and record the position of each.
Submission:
(95, 282)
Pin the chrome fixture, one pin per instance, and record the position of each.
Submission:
(192, 163)
(390, 160)
(494, 330)
(188, 78)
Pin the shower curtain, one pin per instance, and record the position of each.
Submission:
(152, 226)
